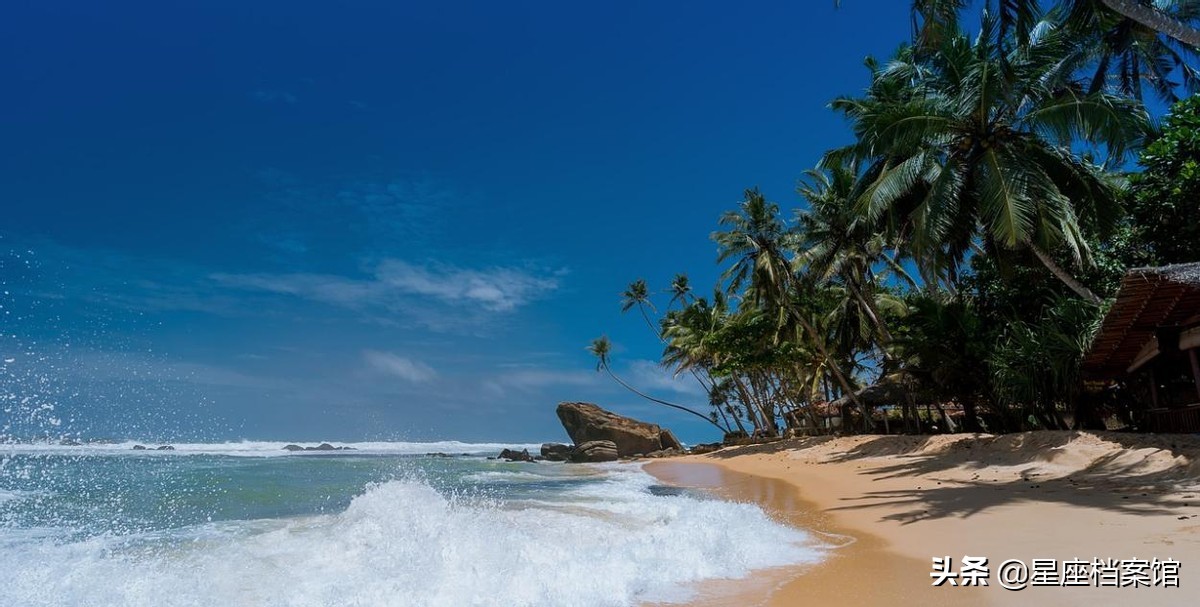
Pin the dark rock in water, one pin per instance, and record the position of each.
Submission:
(595, 451)
(585, 422)
(703, 448)
(139, 447)
(666, 490)
(293, 447)
(321, 447)
(166, 448)
(556, 452)
(513, 455)
(668, 440)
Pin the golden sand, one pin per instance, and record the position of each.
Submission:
(892, 503)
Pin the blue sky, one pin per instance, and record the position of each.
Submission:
(382, 220)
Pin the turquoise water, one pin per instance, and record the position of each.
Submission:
(251, 524)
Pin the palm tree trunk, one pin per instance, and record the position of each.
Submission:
(950, 427)
(646, 317)
(1063, 275)
(660, 401)
(747, 402)
(1155, 20)
(834, 367)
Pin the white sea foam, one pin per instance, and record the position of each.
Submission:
(8, 495)
(265, 448)
(514, 476)
(401, 543)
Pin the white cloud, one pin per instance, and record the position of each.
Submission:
(496, 289)
(651, 376)
(530, 380)
(413, 371)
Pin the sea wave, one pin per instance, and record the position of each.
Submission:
(404, 543)
(263, 448)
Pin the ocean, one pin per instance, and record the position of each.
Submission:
(404, 524)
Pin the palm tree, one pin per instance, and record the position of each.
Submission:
(1138, 41)
(693, 343)
(681, 289)
(1128, 55)
(754, 239)
(1153, 16)
(637, 294)
(974, 151)
(835, 243)
(945, 350)
(601, 348)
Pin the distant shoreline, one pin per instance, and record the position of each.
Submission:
(906, 499)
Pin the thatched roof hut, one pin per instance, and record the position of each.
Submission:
(1150, 301)
(1149, 338)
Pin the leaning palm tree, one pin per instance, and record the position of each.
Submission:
(754, 240)
(601, 348)
(979, 154)
(1127, 56)
(1157, 16)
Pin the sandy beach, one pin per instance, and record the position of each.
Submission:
(887, 504)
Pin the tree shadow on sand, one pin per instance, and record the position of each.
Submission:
(1116, 480)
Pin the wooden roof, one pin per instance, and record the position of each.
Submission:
(1149, 298)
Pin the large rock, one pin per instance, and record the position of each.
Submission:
(595, 451)
(668, 440)
(556, 452)
(586, 422)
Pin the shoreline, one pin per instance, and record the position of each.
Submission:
(851, 555)
(905, 499)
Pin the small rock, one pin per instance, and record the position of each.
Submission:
(556, 452)
(166, 448)
(703, 448)
(664, 453)
(139, 447)
(293, 448)
(513, 455)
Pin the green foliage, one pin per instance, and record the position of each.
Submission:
(983, 162)
(1164, 199)
(1036, 365)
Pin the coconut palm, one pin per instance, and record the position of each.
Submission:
(754, 240)
(601, 348)
(638, 294)
(837, 244)
(681, 289)
(1156, 15)
(1127, 55)
(983, 138)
